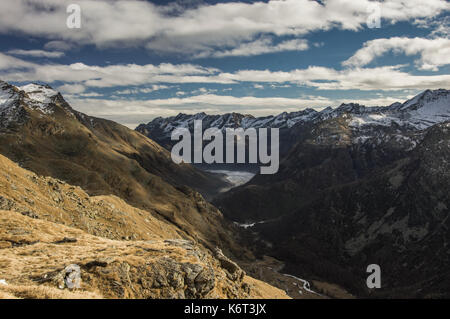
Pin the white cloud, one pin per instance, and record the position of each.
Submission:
(260, 46)
(276, 86)
(71, 88)
(441, 27)
(106, 76)
(433, 52)
(142, 90)
(387, 78)
(203, 90)
(37, 53)
(199, 29)
(12, 64)
(90, 94)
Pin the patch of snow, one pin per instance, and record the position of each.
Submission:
(6, 99)
(249, 225)
(40, 96)
(39, 93)
(7, 96)
(431, 113)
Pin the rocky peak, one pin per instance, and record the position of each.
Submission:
(39, 92)
(42, 97)
(350, 108)
(426, 98)
(16, 101)
(8, 95)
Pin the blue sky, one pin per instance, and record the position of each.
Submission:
(134, 60)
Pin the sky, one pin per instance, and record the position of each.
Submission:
(131, 61)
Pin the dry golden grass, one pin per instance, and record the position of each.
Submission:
(43, 292)
(50, 199)
(262, 290)
(46, 225)
(106, 158)
(119, 267)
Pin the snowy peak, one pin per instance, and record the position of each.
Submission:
(420, 112)
(39, 93)
(40, 97)
(426, 98)
(350, 108)
(427, 108)
(35, 96)
(16, 103)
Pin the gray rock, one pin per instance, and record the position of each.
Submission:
(72, 276)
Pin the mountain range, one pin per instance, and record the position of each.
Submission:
(357, 185)
(408, 116)
(94, 193)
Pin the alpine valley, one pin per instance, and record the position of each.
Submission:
(86, 191)
(356, 186)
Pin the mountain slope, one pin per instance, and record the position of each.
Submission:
(44, 134)
(396, 217)
(171, 268)
(124, 252)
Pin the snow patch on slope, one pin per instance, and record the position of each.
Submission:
(7, 97)
(40, 96)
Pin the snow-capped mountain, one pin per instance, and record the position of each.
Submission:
(37, 96)
(359, 185)
(418, 113)
(165, 126)
(14, 100)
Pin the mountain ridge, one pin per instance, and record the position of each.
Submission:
(50, 138)
(409, 113)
